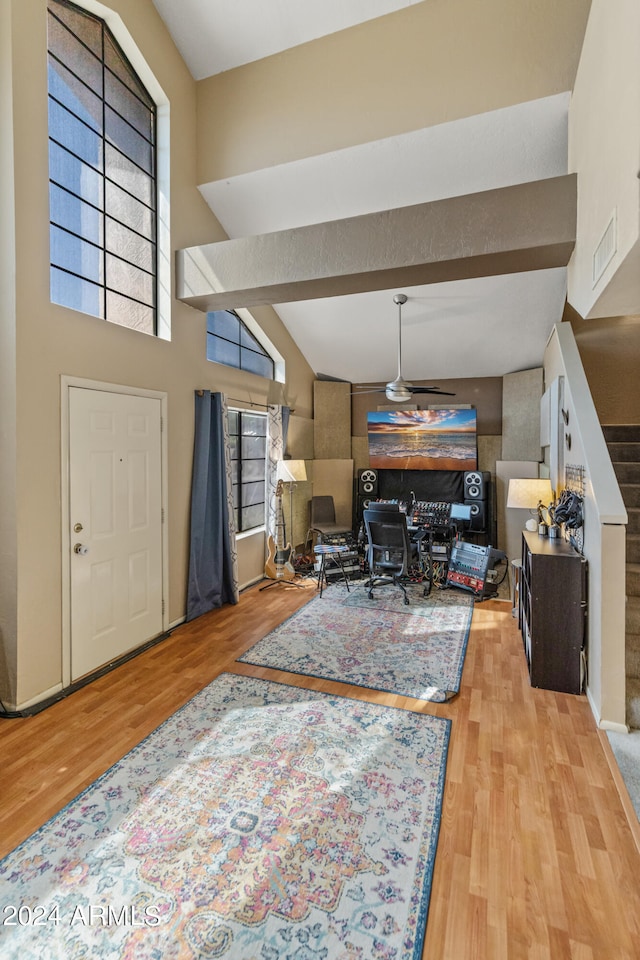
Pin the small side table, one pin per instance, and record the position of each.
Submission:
(331, 552)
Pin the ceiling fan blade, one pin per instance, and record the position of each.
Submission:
(361, 392)
(441, 393)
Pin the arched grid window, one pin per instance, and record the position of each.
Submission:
(102, 173)
(229, 341)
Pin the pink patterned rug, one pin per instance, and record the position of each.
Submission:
(416, 650)
(260, 822)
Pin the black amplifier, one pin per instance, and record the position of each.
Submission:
(469, 566)
(345, 539)
(431, 513)
(350, 560)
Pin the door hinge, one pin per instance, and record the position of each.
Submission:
(161, 514)
(163, 606)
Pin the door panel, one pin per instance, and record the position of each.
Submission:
(115, 501)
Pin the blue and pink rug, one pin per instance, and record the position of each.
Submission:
(260, 822)
(416, 650)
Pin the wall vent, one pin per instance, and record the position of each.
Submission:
(603, 254)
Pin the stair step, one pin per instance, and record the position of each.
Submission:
(632, 615)
(621, 432)
(633, 640)
(630, 494)
(623, 441)
(632, 580)
(633, 548)
(633, 519)
(625, 452)
(626, 472)
(632, 655)
(633, 702)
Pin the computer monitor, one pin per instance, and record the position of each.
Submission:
(460, 511)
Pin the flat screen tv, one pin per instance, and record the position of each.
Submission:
(422, 440)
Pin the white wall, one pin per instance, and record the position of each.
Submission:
(604, 532)
(604, 150)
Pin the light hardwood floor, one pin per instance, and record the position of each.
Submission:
(536, 858)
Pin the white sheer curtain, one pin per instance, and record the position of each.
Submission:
(276, 446)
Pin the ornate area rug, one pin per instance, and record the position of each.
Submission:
(260, 822)
(416, 650)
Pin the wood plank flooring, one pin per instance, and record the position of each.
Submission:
(536, 859)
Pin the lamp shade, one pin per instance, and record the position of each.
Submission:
(526, 493)
(291, 471)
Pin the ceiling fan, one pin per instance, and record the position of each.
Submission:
(400, 390)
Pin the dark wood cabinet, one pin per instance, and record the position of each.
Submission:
(552, 612)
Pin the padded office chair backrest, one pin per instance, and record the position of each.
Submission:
(389, 546)
(322, 511)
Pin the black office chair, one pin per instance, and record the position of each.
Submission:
(390, 551)
(322, 518)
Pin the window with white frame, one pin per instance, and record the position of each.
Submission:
(102, 173)
(230, 341)
(248, 441)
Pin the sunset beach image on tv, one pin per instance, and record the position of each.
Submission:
(422, 440)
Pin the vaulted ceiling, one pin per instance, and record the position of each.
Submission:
(466, 326)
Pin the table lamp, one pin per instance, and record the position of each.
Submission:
(531, 494)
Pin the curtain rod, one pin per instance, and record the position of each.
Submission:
(254, 403)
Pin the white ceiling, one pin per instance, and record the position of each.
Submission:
(217, 35)
(485, 327)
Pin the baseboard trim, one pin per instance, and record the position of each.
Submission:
(250, 583)
(621, 787)
(614, 727)
(48, 697)
(45, 695)
(604, 724)
(594, 709)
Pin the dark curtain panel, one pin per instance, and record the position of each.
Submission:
(285, 428)
(423, 484)
(212, 555)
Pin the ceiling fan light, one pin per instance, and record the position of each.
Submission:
(399, 394)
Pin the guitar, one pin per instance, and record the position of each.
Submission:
(279, 565)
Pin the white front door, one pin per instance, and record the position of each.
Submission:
(115, 515)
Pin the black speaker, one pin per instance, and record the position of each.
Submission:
(368, 483)
(476, 485)
(479, 515)
(362, 503)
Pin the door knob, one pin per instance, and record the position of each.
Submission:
(81, 548)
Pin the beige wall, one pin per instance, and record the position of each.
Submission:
(610, 353)
(52, 341)
(8, 541)
(385, 77)
(521, 393)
